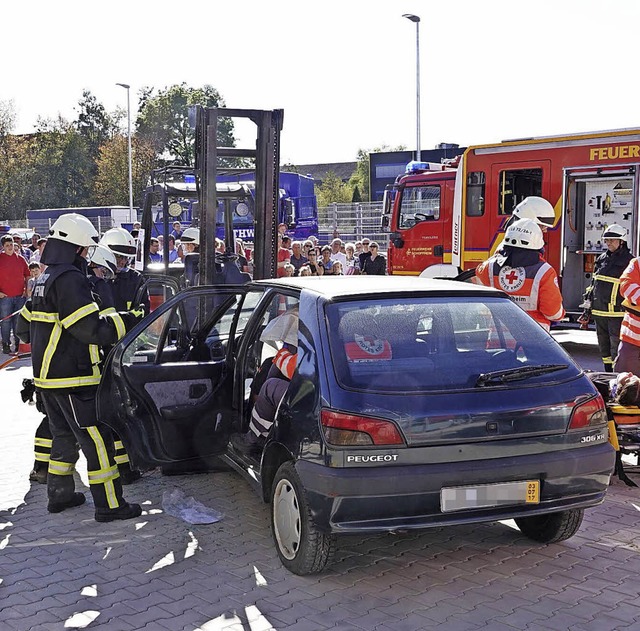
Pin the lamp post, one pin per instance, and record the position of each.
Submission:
(127, 87)
(416, 20)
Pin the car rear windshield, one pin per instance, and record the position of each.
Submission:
(440, 343)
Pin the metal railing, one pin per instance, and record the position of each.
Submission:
(352, 222)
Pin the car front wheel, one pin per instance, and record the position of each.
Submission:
(301, 547)
(553, 527)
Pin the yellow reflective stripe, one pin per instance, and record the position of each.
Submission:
(122, 459)
(42, 442)
(43, 316)
(607, 314)
(25, 313)
(40, 457)
(121, 329)
(99, 477)
(108, 310)
(67, 382)
(49, 351)
(94, 355)
(106, 469)
(61, 468)
(118, 444)
(613, 435)
(79, 314)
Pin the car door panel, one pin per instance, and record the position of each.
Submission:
(167, 386)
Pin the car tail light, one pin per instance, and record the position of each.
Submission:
(351, 429)
(589, 413)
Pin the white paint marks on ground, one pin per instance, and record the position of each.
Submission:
(260, 580)
(81, 620)
(4, 542)
(168, 559)
(192, 546)
(89, 590)
(5, 525)
(106, 554)
(141, 524)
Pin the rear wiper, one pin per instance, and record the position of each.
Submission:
(516, 374)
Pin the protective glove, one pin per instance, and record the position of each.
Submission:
(584, 319)
(132, 317)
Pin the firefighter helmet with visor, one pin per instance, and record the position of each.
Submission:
(75, 229)
(103, 257)
(536, 208)
(615, 231)
(525, 234)
(119, 241)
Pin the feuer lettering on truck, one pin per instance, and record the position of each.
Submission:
(614, 153)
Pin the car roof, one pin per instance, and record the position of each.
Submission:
(346, 286)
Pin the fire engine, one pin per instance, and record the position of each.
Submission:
(444, 219)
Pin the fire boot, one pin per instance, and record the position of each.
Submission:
(126, 511)
(77, 499)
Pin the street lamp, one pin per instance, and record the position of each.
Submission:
(126, 87)
(416, 19)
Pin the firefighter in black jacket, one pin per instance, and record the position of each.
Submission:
(602, 298)
(63, 325)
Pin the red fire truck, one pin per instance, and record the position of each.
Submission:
(446, 220)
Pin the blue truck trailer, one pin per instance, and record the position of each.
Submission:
(102, 217)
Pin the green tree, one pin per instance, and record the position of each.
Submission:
(163, 120)
(360, 178)
(112, 179)
(332, 189)
(94, 123)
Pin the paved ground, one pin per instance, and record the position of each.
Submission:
(158, 572)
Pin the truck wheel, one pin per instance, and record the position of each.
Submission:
(301, 547)
(553, 527)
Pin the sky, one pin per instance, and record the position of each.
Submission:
(344, 71)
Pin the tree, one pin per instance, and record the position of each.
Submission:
(360, 178)
(163, 121)
(332, 189)
(94, 123)
(112, 179)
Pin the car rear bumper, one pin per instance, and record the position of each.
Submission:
(379, 499)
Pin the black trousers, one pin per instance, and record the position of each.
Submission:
(42, 446)
(608, 334)
(67, 412)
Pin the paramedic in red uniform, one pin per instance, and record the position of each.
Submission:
(628, 359)
(519, 270)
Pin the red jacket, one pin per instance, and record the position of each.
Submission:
(14, 273)
(534, 288)
(630, 290)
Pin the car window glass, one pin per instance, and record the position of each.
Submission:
(144, 347)
(435, 343)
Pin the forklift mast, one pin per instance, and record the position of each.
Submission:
(267, 167)
(169, 182)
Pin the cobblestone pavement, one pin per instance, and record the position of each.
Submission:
(160, 573)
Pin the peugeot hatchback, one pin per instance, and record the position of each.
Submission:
(413, 403)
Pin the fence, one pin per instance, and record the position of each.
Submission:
(352, 222)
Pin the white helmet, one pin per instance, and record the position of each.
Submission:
(104, 257)
(191, 235)
(119, 241)
(536, 208)
(615, 231)
(524, 233)
(75, 229)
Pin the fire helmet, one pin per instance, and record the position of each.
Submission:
(104, 257)
(525, 234)
(119, 241)
(75, 229)
(536, 208)
(191, 235)
(615, 231)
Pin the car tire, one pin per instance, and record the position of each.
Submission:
(301, 547)
(553, 527)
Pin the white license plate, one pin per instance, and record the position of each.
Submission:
(486, 495)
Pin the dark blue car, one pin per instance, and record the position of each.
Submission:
(413, 403)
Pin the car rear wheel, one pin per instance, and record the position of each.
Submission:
(301, 547)
(553, 527)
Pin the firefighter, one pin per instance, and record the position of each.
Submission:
(519, 270)
(127, 281)
(43, 438)
(602, 300)
(65, 330)
(102, 270)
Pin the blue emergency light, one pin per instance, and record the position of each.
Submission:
(415, 166)
(189, 179)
